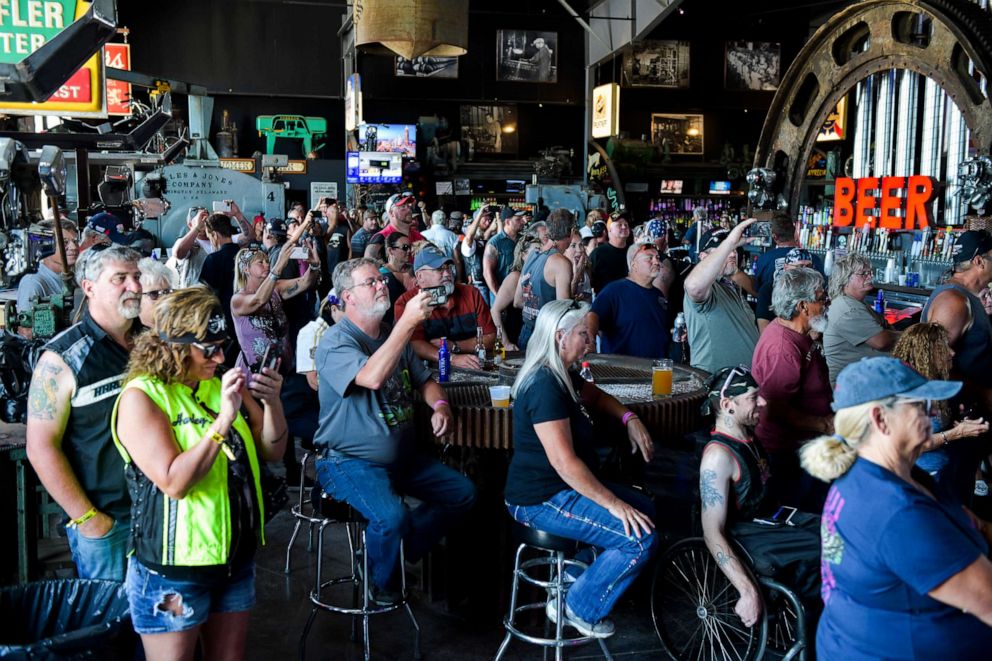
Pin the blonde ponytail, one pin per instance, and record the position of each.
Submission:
(829, 457)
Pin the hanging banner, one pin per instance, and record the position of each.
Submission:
(25, 26)
(118, 56)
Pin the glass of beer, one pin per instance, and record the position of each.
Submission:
(661, 378)
(500, 396)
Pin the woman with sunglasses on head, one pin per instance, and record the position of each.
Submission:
(398, 267)
(905, 567)
(552, 484)
(192, 443)
(157, 280)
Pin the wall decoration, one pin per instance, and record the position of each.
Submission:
(835, 125)
(657, 64)
(677, 134)
(527, 56)
(427, 67)
(752, 65)
(490, 129)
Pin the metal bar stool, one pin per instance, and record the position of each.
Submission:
(303, 512)
(554, 549)
(336, 512)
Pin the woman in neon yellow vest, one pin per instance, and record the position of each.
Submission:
(191, 444)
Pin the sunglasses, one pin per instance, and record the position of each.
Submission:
(737, 371)
(209, 350)
(156, 294)
(404, 248)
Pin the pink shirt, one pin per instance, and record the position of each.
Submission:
(791, 373)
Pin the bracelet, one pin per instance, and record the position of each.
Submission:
(217, 438)
(943, 437)
(75, 523)
(273, 277)
(628, 416)
(439, 402)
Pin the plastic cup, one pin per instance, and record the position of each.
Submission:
(500, 396)
(661, 378)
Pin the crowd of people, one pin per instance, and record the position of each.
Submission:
(150, 420)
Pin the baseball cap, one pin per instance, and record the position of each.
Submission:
(585, 232)
(870, 379)
(431, 258)
(970, 244)
(456, 215)
(797, 255)
(522, 213)
(598, 228)
(712, 239)
(400, 199)
(106, 224)
(618, 216)
(276, 226)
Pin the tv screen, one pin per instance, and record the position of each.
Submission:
(515, 185)
(719, 188)
(671, 186)
(374, 167)
(400, 138)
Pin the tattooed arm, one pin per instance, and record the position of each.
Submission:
(52, 385)
(716, 472)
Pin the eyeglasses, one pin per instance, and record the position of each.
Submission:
(156, 294)
(371, 282)
(405, 247)
(209, 350)
(927, 404)
(864, 274)
(737, 371)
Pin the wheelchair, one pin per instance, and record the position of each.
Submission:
(692, 607)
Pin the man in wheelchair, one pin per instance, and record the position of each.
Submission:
(733, 476)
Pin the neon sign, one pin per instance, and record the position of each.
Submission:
(902, 203)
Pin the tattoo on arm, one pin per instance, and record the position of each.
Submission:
(43, 393)
(292, 289)
(722, 558)
(708, 491)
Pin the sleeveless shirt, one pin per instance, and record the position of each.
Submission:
(973, 350)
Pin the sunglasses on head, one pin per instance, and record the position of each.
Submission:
(737, 371)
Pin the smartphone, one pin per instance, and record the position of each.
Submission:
(316, 214)
(782, 517)
(222, 207)
(299, 252)
(761, 229)
(269, 359)
(439, 295)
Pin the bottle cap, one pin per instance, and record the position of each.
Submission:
(585, 363)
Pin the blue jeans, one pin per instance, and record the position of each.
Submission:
(622, 558)
(373, 489)
(103, 558)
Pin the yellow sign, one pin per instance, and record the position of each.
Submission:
(246, 165)
(25, 26)
(606, 110)
(835, 126)
(294, 167)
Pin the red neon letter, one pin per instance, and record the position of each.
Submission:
(844, 202)
(919, 195)
(866, 202)
(890, 203)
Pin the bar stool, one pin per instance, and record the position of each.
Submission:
(337, 512)
(303, 512)
(553, 549)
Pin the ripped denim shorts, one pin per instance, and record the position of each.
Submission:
(165, 605)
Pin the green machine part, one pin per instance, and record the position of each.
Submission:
(298, 127)
(47, 317)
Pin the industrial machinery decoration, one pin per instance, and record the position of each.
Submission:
(554, 162)
(411, 28)
(309, 130)
(975, 181)
(947, 41)
(761, 189)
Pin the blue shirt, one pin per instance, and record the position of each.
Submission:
(633, 320)
(770, 262)
(886, 545)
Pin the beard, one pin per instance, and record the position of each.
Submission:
(449, 288)
(377, 310)
(129, 305)
(819, 323)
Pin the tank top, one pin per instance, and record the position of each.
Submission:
(973, 350)
(751, 490)
(536, 290)
(258, 331)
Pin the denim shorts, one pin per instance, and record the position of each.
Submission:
(146, 591)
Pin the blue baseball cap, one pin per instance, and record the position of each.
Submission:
(870, 379)
(431, 258)
(108, 225)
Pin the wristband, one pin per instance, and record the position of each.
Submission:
(628, 416)
(75, 523)
(273, 277)
(221, 440)
(943, 437)
(439, 402)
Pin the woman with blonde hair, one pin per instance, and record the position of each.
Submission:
(904, 566)
(192, 467)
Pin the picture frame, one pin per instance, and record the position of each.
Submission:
(527, 56)
(490, 129)
(752, 66)
(677, 133)
(657, 63)
(426, 67)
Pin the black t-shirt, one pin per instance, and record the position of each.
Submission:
(337, 246)
(763, 310)
(607, 264)
(531, 479)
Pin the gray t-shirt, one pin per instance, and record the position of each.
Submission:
(850, 323)
(374, 425)
(42, 284)
(722, 329)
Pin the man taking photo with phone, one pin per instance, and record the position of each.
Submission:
(456, 311)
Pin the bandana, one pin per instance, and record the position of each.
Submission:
(216, 331)
(245, 258)
(728, 382)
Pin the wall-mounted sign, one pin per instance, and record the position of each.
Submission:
(26, 26)
(891, 202)
(816, 166)
(353, 102)
(835, 125)
(294, 167)
(118, 56)
(606, 110)
(321, 189)
(246, 165)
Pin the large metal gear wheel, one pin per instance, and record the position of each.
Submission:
(940, 39)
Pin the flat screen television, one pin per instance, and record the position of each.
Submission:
(515, 185)
(719, 188)
(671, 186)
(400, 138)
(374, 167)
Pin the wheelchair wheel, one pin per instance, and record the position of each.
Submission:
(785, 617)
(692, 605)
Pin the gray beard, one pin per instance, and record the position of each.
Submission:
(819, 323)
(378, 310)
(127, 311)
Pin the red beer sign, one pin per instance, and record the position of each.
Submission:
(902, 203)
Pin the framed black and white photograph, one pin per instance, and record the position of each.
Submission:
(677, 134)
(527, 56)
(490, 129)
(427, 67)
(657, 64)
(753, 65)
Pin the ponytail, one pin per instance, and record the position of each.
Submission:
(828, 457)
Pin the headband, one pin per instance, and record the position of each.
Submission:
(216, 331)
